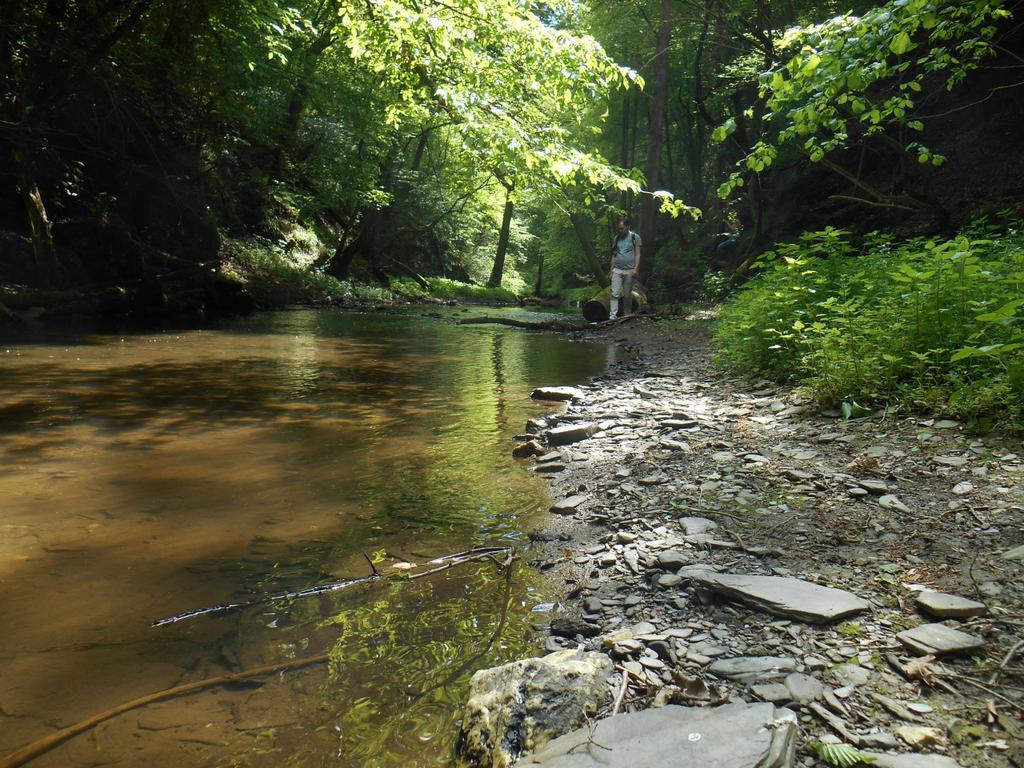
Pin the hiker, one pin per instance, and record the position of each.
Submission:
(625, 262)
(725, 251)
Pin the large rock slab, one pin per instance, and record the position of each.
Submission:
(557, 393)
(943, 606)
(731, 736)
(939, 639)
(522, 705)
(780, 595)
(571, 433)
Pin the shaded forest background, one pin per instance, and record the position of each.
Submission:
(154, 154)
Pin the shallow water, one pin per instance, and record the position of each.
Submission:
(149, 474)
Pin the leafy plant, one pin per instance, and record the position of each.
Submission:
(841, 755)
(933, 324)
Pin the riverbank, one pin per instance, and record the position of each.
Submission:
(692, 475)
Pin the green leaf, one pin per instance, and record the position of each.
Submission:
(841, 755)
(1005, 312)
(900, 44)
(722, 132)
(853, 410)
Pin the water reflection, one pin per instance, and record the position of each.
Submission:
(146, 475)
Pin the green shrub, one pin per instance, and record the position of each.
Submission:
(714, 286)
(936, 324)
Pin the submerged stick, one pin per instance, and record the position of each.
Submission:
(225, 607)
(45, 744)
(474, 554)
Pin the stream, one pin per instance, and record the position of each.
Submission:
(150, 474)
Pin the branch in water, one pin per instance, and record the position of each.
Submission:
(452, 560)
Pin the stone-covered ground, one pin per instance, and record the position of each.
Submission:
(689, 472)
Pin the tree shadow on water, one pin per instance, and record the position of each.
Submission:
(170, 397)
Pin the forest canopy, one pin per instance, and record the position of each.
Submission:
(161, 156)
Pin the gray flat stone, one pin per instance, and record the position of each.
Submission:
(1017, 553)
(873, 485)
(673, 559)
(749, 669)
(950, 461)
(938, 639)
(803, 688)
(884, 760)
(851, 674)
(550, 467)
(780, 595)
(730, 736)
(694, 526)
(776, 693)
(568, 505)
(680, 424)
(557, 393)
(944, 606)
(572, 433)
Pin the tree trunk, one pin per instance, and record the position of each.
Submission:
(540, 275)
(598, 267)
(498, 270)
(39, 226)
(656, 135)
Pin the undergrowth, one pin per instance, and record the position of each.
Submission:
(274, 274)
(936, 325)
(284, 272)
(444, 288)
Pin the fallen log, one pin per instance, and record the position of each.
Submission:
(598, 306)
(547, 325)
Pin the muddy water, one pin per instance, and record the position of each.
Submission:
(149, 474)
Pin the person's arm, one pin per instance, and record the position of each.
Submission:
(636, 258)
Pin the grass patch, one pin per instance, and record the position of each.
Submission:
(936, 325)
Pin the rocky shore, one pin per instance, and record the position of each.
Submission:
(749, 582)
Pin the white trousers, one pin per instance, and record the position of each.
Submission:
(622, 287)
